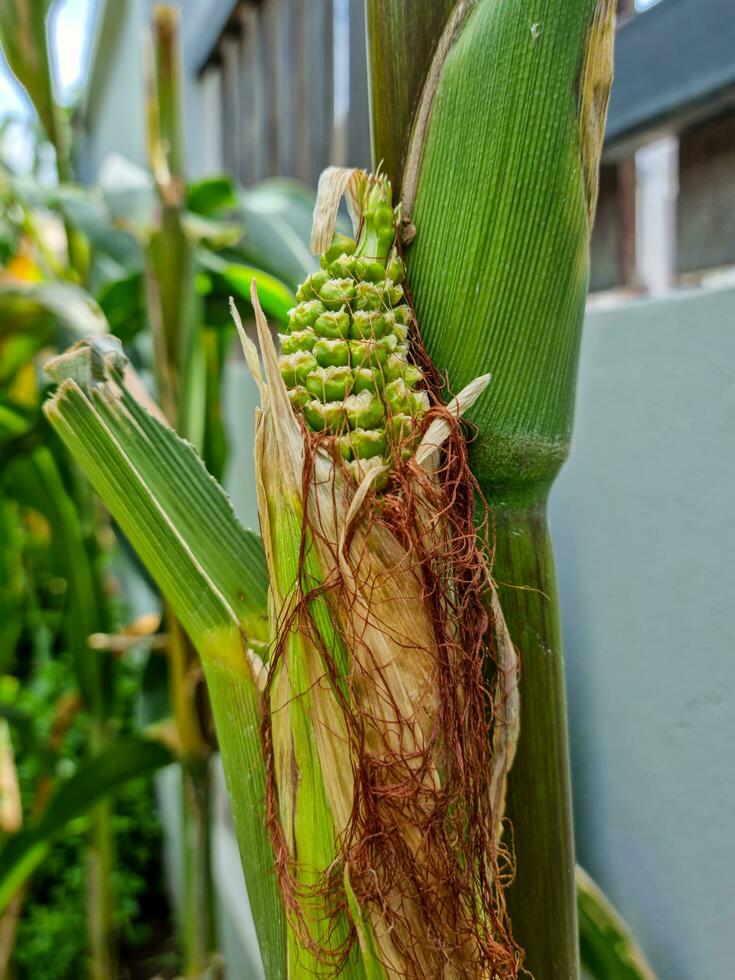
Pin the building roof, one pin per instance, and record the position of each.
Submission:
(670, 60)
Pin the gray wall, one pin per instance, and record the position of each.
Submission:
(643, 520)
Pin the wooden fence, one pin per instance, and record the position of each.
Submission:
(291, 78)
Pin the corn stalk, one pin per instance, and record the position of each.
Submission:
(176, 333)
(500, 179)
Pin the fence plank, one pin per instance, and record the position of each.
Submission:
(285, 102)
(250, 123)
(268, 61)
(358, 117)
(230, 49)
(319, 56)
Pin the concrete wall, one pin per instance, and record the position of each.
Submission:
(643, 520)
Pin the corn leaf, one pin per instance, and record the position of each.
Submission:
(35, 481)
(122, 760)
(277, 219)
(23, 40)
(209, 568)
(68, 306)
(275, 297)
(211, 196)
(608, 950)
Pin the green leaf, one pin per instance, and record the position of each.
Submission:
(73, 310)
(35, 481)
(86, 211)
(214, 232)
(122, 301)
(277, 216)
(129, 194)
(122, 760)
(607, 948)
(207, 565)
(275, 297)
(23, 40)
(211, 195)
(177, 517)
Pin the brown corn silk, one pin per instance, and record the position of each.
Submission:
(381, 736)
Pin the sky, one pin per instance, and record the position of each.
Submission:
(70, 30)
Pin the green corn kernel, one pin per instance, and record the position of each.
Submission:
(399, 397)
(365, 380)
(325, 418)
(401, 333)
(330, 384)
(395, 269)
(420, 403)
(296, 367)
(344, 447)
(398, 367)
(334, 324)
(369, 270)
(299, 396)
(364, 411)
(368, 325)
(343, 267)
(304, 315)
(401, 427)
(402, 315)
(336, 292)
(368, 296)
(394, 368)
(331, 352)
(367, 443)
(412, 375)
(341, 245)
(310, 287)
(298, 340)
(395, 293)
(371, 353)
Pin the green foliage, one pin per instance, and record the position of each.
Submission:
(607, 948)
(51, 941)
(208, 567)
(24, 43)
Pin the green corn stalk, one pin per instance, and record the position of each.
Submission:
(500, 181)
(177, 337)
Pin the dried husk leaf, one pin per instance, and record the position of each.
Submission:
(354, 692)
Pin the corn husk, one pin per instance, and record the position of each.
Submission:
(375, 870)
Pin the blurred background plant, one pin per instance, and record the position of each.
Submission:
(94, 694)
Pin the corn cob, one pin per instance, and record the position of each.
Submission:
(345, 358)
(382, 801)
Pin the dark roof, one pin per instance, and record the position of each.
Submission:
(669, 59)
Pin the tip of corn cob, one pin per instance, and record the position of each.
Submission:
(346, 357)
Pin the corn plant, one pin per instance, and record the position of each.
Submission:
(360, 660)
